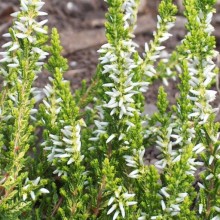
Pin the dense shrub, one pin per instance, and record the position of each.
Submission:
(89, 162)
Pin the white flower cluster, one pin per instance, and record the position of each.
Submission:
(165, 145)
(198, 90)
(211, 175)
(202, 74)
(215, 208)
(119, 201)
(122, 88)
(67, 146)
(28, 183)
(101, 125)
(201, 111)
(136, 161)
(25, 27)
(174, 209)
(64, 147)
(118, 67)
(171, 69)
(209, 28)
(192, 162)
(52, 108)
(153, 52)
(128, 8)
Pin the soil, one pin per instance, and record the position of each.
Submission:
(81, 26)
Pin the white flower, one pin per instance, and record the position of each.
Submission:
(60, 172)
(112, 209)
(36, 181)
(32, 195)
(210, 176)
(175, 207)
(14, 47)
(121, 206)
(111, 137)
(24, 196)
(23, 29)
(163, 205)
(200, 208)
(143, 216)
(198, 148)
(217, 217)
(177, 159)
(134, 174)
(165, 37)
(116, 215)
(66, 148)
(217, 208)
(119, 201)
(164, 192)
(181, 197)
(154, 217)
(210, 95)
(44, 190)
(28, 183)
(201, 185)
(211, 159)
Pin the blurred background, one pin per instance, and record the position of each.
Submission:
(81, 26)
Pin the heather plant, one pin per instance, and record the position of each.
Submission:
(82, 155)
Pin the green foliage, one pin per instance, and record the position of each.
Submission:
(82, 155)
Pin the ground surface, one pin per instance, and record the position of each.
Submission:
(81, 25)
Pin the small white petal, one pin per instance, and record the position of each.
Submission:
(70, 161)
(122, 209)
(40, 30)
(62, 155)
(21, 36)
(134, 174)
(164, 192)
(7, 44)
(36, 181)
(201, 186)
(217, 208)
(163, 205)
(116, 215)
(210, 176)
(112, 209)
(13, 65)
(24, 196)
(177, 159)
(41, 13)
(43, 22)
(111, 200)
(68, 141)
(24, 6)
(211, 159)
(131, 203)
(44, 190)
(33, 195)
(200, 208)
(110, 138)
(15, 14)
